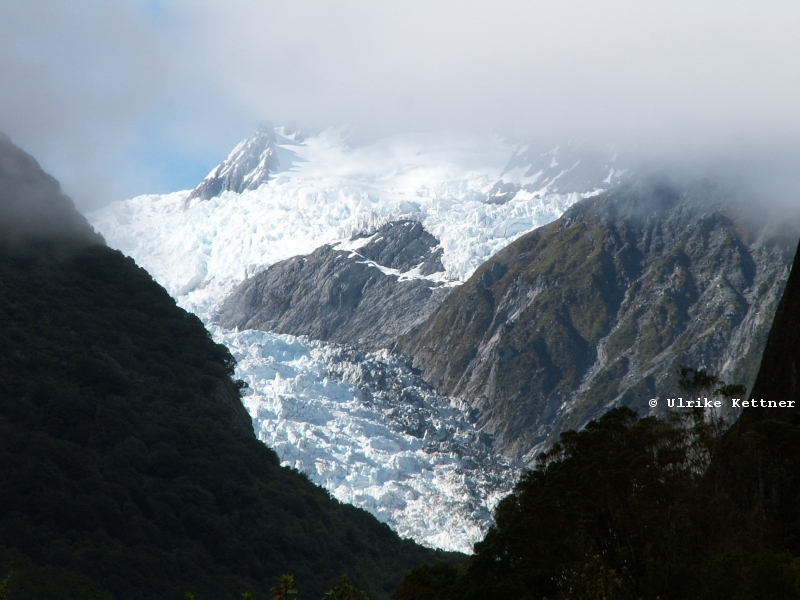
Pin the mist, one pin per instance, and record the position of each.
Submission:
(32, 206)
(136, 97)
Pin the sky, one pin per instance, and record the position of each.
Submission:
(121, 98)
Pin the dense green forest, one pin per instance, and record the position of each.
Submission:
(642, 508)
(128, 466)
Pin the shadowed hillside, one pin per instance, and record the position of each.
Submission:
(128, 466)
(651, 508)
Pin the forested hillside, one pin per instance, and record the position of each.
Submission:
(128, 466)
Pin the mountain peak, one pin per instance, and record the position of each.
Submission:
(246, 167)
(32, 205)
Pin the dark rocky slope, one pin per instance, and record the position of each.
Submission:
(779, 375)
(600, 307)
(128, 466)
(762, 465)
(345, 296)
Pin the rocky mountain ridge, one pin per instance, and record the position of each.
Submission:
(247, 166)
(599, 308)
(369, 294)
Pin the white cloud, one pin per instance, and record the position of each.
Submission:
(676, 77)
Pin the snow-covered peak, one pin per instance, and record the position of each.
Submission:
(283, 195)
(247, 166)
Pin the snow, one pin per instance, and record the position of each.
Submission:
(405, 454)
(398, 451)
(324, 192)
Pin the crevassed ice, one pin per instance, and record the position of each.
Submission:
(412, 460)
(327, 192)
(373, 434)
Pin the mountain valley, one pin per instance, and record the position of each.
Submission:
(425, 212)
(367, 366)
(128, 465)
(530, 296)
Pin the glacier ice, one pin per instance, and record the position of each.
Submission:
(408, 456)
(370, 431)
(199, 250)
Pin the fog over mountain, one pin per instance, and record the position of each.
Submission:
(470, 124)
(33, 207)
(417, 244)
(126, 98)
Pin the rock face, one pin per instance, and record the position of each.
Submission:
(779, 375)
(367, 297)
(600, 307)
(403, 246)
(247, 166)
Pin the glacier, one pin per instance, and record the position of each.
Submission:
(408, 456)
(324, 192)
(373, 434)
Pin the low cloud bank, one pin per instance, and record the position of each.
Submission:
(137, 97)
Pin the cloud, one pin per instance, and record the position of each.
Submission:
(75, 79)
(103, 96)
(628, 69)
(134, 92)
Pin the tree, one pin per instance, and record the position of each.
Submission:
(432, 582)
(344, 590)
(595, 581)
(622, 489)
(698, 383)
(4, 587)
(285, 589)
